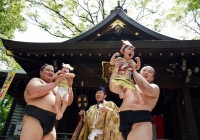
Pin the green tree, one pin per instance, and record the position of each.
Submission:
(66, 19)
(184, 15)
(5, 106)
(191, 4)
(10, 20)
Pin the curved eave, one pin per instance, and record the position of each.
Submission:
(142, 28)
(119, 14)
(95, 29)
(12, 45)
(99, 45)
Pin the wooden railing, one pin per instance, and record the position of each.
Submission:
(60, 136)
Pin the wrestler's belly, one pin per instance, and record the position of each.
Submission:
(124, 108)
(134, 105)
(46, 102)
(131, 102)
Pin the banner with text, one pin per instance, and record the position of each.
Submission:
(6, 84)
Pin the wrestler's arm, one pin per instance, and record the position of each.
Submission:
(71, 95)
(146, 88)
(70, 98)
(138, 63)
(56, 74)
(36, 88)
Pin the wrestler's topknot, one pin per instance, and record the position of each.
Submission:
(43, 66)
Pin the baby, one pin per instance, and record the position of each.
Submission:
(124, 73)
(62, 90)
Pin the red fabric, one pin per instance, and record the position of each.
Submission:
(158, 121)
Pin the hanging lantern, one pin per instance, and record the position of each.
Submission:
(82, 102)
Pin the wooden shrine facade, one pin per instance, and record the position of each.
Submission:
(176, 63)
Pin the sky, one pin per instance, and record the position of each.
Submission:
(36, 34)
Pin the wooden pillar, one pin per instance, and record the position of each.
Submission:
(190, 114)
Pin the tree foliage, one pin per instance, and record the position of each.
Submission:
(5, 106)
(66, 19)
(185, 15)
(191, 4)
(10, 20)
(10, 17)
